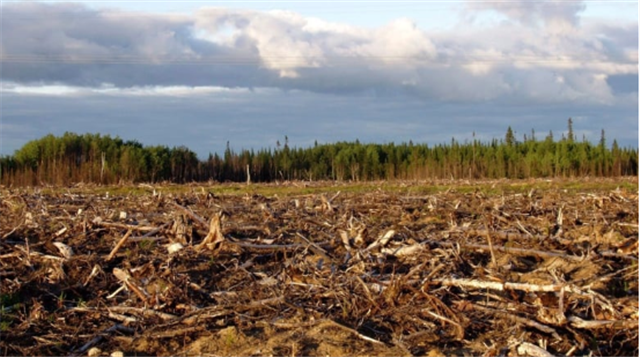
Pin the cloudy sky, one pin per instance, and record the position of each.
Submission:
(200, 74)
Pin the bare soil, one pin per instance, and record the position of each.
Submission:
(503, 268)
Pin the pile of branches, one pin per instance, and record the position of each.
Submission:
(542, 273)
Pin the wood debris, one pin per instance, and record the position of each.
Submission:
(529, 270)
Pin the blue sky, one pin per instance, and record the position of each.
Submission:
(203, 73)
(361, 13)
(428, 14)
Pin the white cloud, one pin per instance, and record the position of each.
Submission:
(520, 59)
(559, 16)
(111, 90)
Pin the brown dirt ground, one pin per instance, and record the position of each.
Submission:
(501, 269)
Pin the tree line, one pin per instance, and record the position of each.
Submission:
(73, 158)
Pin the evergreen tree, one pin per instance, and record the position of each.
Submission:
(509, 137)
(570, 135)
(102, 159)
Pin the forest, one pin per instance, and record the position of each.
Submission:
(73, 158)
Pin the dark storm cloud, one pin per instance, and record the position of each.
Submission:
(256, 119)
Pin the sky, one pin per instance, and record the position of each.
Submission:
(201, 74)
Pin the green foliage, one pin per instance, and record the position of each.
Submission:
(9, 299)
(509, 137)
(102, 159)
(146, 245)
(95, 158)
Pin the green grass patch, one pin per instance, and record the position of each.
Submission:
(146, 245)
(486, 187)
(9, 299)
